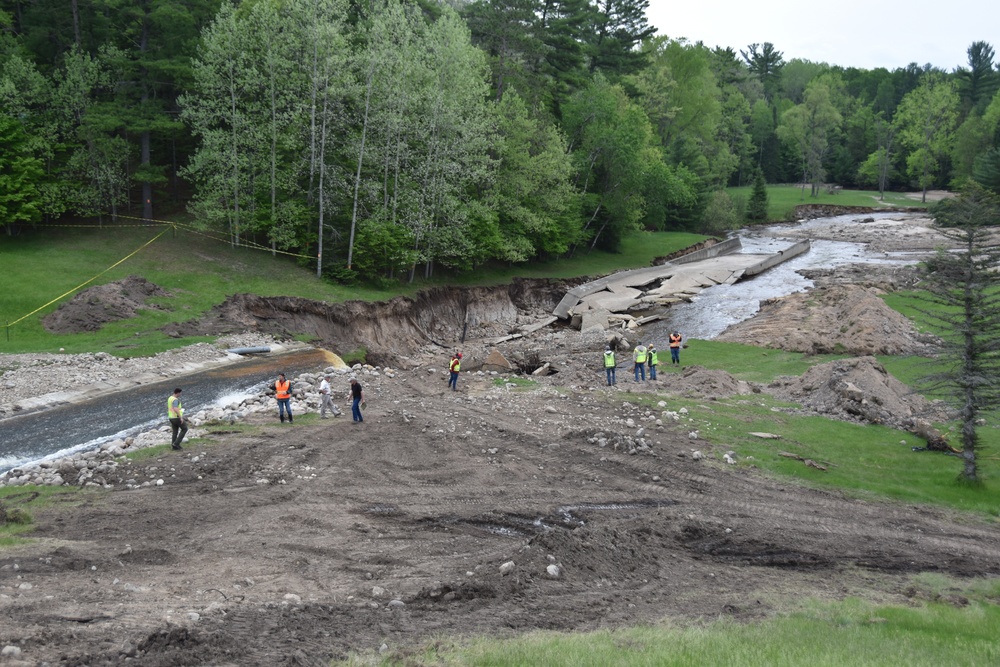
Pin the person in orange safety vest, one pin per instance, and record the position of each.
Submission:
(675, 348)
(283, 393)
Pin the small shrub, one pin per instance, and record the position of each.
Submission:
(720, 214)
(341, 275)
(358, 356)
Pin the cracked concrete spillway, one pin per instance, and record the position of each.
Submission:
(606, 300)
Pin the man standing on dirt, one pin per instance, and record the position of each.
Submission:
(175, 413)
(326, 399)
(639, 357)
(675, 348)
(358, 396)
(283, 393)
(610, 365)
(653, 361)
(453, 368)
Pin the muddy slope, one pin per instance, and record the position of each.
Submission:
(388, 329)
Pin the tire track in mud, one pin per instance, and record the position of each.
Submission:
(729, 499)
(772, 510)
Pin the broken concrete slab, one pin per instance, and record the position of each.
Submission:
(596, 318)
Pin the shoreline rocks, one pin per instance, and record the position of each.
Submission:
(96, 467)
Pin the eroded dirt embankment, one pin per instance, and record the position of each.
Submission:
(391, 330)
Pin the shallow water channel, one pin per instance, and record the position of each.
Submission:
(716, 308)
(66, 429)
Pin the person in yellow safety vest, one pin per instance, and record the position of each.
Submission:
(175, 413)
(610, 365)
(653, 361)
(454, 368)
(675, 348)
(639, 356)
(283, 393)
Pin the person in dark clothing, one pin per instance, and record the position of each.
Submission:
(358, 396)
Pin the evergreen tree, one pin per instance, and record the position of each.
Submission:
(986, 171)
(620, 26)
(562, 26)
(507, 31)
(963, 292)
(766, 63)
(980, 81)
(757, 206)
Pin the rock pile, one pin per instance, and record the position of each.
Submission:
(859, 390)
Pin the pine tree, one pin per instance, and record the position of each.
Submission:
(757, 206)
(961, 290)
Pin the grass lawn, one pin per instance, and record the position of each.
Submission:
(818, 634)
(782, 199)
(40, 265)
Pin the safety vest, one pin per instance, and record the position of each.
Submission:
(675, 340)
(653, 359)
(609, 359)
(174, 408)
(640, 355)
(456, 364)
(282, 390)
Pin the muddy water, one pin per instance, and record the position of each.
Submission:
(716, 308)
(71, 428)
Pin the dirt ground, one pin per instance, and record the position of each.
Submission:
(494, 509)
(95, 306)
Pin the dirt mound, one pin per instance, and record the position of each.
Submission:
(830, 320)
(856, 390)
(96, 306)
(706, 383)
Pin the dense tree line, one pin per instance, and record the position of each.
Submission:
(394, 137)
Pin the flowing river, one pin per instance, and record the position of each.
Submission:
(66, 429)
(716, 308)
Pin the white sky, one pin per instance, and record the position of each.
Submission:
(850, 33)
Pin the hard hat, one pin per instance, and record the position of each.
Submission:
(459, 355)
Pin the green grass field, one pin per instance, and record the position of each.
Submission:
(851, 633)
(782, 199)
(41, 265)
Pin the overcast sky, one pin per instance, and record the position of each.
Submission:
(850, 33)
